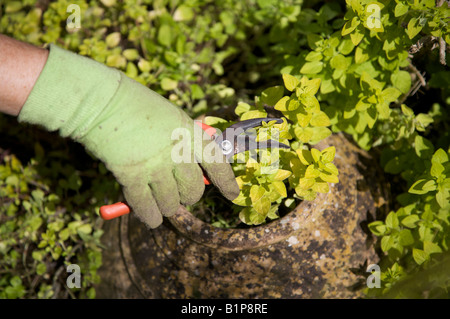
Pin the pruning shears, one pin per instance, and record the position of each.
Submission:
(231, 141)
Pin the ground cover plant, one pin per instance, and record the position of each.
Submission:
(377, 71)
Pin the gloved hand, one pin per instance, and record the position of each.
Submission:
(128, 127)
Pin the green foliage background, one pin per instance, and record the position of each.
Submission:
(326, 66)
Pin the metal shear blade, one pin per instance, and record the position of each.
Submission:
(233, 140)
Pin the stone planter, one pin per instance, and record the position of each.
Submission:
(309, 253)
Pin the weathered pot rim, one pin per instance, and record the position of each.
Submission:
(243, 239)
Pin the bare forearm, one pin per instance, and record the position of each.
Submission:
(20, 66)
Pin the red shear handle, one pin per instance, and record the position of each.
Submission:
(210, 131)
(108, 212)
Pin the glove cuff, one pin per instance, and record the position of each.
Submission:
(70, 93)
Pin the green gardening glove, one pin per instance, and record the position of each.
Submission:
(128, 127)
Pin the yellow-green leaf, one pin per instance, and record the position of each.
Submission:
(293, 104)
(312, 67)
(306, 194)
(253, 114)
(321, 187)
(113, 39)
(319, 134)
(410, 221)
(167, 84)
(241, 108)
(330, 178)
(109, 3)
(431, 248)
(303, 119)
(386, 243)
(442, 197)
(85, 229)
(320, 119)
(304, 134)
(311, 102)
(401, 80)
(304, 156)
(328, 154)
(280, 188)
(314, 56)
(390, 94)
(400, 9)
(311, 172)
(131, 70)
(165, 35)
(183, 13)
(116, 61)
(331, 168)
(282, 174)
(440, 156)
(282, 104)
(339, 62)
(350, 25)
(423, 147)
(306, 183)
(312, 86)
(383, 110)
(361, 105)
(242, 200)
(422, 186)
(262, 206)
(419, 256)
(316, 154)
(296, 166)
(256, 192)
(252, 163)
(131, 54)
(256, 218)
(358, 35)
(243, 180)
(413, 28)
(271, 95)
(361, 56)
(436, 169)
(290, 81)
(144, 65)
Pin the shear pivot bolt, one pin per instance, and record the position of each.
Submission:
(226, 147)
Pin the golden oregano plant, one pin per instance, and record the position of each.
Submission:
(279, 176)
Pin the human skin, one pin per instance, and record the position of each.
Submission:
(20, 66)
